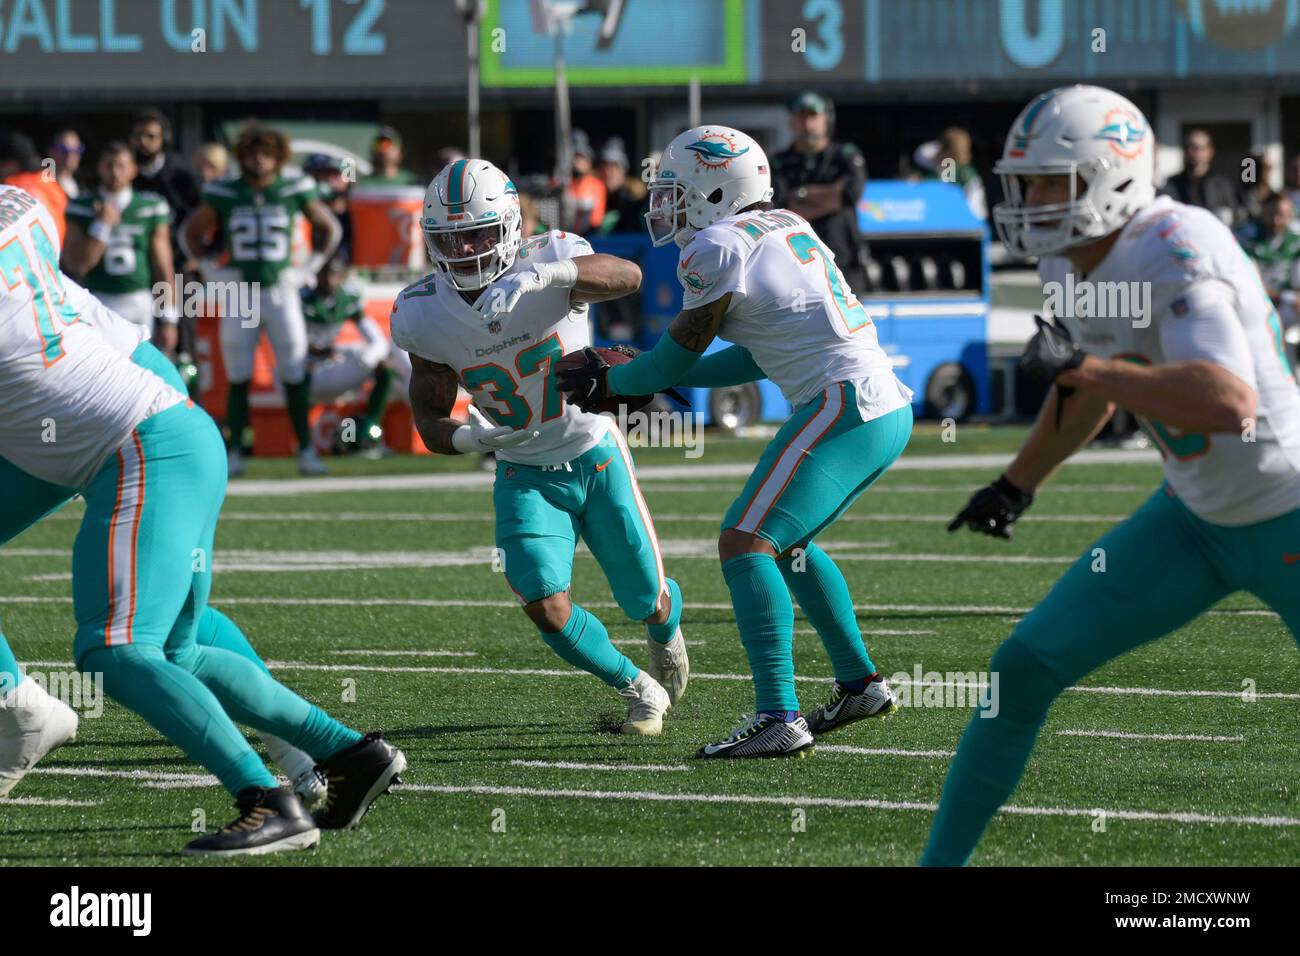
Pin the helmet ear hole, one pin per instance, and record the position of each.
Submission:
(715, 197)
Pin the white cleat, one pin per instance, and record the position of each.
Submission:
(875, 700)
(309, 463)
(669, 664)
(762, 735)
(647, 702)
(234, 463)
(299, 767)
(32, 723)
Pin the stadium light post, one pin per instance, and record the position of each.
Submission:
(472, 11)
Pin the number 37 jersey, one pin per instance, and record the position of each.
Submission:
(509, 364)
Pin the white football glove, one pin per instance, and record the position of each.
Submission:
(509, 289)
(481, 435)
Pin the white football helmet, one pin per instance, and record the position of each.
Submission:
(1096, 138)
(471, 223)
(705, 174)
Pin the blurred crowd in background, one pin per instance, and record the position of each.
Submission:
(605, 192)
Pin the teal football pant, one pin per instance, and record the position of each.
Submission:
(812, 471)
(27, 500)
(541, 513)
(1163, 568)
(141, 576)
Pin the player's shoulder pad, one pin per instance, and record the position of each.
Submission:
(554, 245)
(1173, 242)
(218, 189)
(713, 253)
(299, 183)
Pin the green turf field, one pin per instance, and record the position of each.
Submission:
(380, 604)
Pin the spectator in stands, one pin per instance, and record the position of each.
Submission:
(625, 197)
(66, 149)
(822, 181)
(1277, 254)
(1198, 184)
(949, 158)
(211, 162)
(1255, 194)
(585, 193)
(333, 185)
(21, 166)
(386, 161)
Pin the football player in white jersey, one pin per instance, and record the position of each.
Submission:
(1204, 371)
(32, 723)
(759, 277)
(496, 316)
(150, 467)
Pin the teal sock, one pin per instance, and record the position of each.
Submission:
(178, 705)
(663, 633)
(765, 617)
(216, 630)
(10, 675)
(252, 696)
(584, 643)
(299, 405)
(992, 755)
(823, 594)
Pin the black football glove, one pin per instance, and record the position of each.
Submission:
(583, 385)
(993, 509)
(1049, 353)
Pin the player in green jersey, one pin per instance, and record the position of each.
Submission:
(337, 369)
(256, 214)
(118, 241)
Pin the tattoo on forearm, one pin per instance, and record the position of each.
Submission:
(433, 396)
(694, 329)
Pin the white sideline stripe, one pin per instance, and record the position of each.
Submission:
(157, 776)
(865, 804)
(574, 672)
(578, 765)
(640, 641)
(984, 609)
(881, 751)
(361, 652)
(1120, 735)
(253, 488)
(45, 802)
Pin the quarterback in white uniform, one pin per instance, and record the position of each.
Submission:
(1199, 362)
(83, 415)
(759, 277)
(496, 317)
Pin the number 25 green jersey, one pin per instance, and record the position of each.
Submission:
(258, 223)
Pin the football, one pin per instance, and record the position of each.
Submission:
(618, 356)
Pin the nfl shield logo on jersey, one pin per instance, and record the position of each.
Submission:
(495, 326)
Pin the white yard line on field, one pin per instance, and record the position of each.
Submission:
(578, 765)
(254, 488)
(574, 672)
(1121, 735)
(362, 652)
(45, 802)
(864, 804)
(880, 751)
(966, 609)
(875, 632)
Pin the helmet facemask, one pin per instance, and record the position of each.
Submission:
(667, 220)
(473, 255)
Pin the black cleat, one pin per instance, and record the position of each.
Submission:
(356, 776)
(269, 821)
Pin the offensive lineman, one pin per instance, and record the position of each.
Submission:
(32, 722)
(119, 240)
(759, 277)
(496, 316)
(149, 465)
(1206, 374)
(256, 214)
